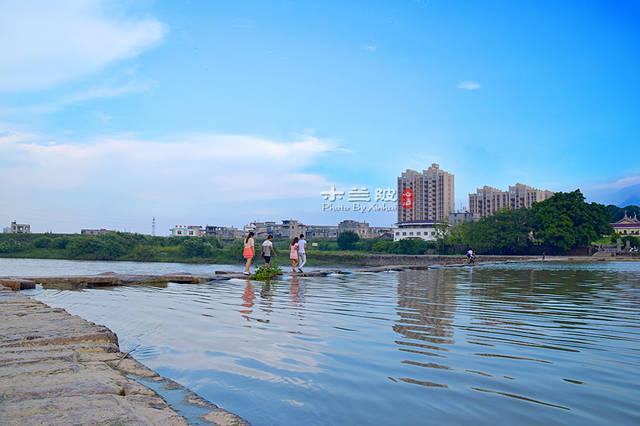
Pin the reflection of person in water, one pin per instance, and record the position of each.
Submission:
(298, 288)
(247, 298)
(295, 287)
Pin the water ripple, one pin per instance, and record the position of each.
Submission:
(537, 343)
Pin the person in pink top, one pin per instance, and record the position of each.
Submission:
(294, 254)
(248, 252)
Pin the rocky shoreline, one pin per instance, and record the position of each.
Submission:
(56, 368)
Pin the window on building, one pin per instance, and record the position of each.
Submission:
(404, 233)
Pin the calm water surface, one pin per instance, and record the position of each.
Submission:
(525, 343)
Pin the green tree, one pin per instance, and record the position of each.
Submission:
(42, 242)
(381, 246)
(142, 253)
(11, 246)
(505, 232)
(347, 240)
(565, 221)
(94, 248)
(60, 242)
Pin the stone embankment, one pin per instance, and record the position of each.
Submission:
(56, 368)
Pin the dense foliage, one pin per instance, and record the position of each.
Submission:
(616, 213)
(112, 246)
(557, 225)
(347, 240)
(566, 221)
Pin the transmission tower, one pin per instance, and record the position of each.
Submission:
(153, 227)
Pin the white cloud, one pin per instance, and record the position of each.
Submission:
(76, 98)
(620, 183)
(368, 47)
(469, 85)
(182, 172)
(45, 43)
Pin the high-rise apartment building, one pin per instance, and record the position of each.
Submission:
(426, 196)
(487, 200)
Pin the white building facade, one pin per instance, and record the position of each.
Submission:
(187, 231)
(425, 230)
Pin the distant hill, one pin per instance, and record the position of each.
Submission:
(617, 213)
(629, 196)
(621, 197)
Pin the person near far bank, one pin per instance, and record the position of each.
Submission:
(302, 252)
(470, 258)
(248, 252)
(294, 254)
(267, 249)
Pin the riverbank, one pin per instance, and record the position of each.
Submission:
(56, 368)
(314, 258)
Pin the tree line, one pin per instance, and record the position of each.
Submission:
(557, 225)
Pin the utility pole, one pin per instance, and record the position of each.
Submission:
(153, 227)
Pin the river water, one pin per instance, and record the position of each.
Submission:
(553, 343)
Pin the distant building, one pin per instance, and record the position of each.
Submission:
(459, 217)
(187, 231)
(422, 229)
(431, 195)
(627, 226)
(95, 231)
(291, 228)
(361, 228)
(223, 232)
(288, 229)
(382, 232)
(487, 200)
(322, 232)
(18, 228)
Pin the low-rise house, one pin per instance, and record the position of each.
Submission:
(322, 232)
(187, 231)
(361, 228)
(223, 232)
(18, 228)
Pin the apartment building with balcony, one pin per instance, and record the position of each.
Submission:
(488, 200)
(432, 195)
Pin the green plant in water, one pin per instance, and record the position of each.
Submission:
(265, 274)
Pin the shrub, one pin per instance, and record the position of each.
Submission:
(42, 242)
(142, 253)
(197, 247)
(347, 240)
(11, 246)
(59, 242)
(264, 274)
(94, 248)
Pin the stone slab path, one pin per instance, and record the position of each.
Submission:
(56, 368)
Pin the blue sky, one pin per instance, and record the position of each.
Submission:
(212, 112)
